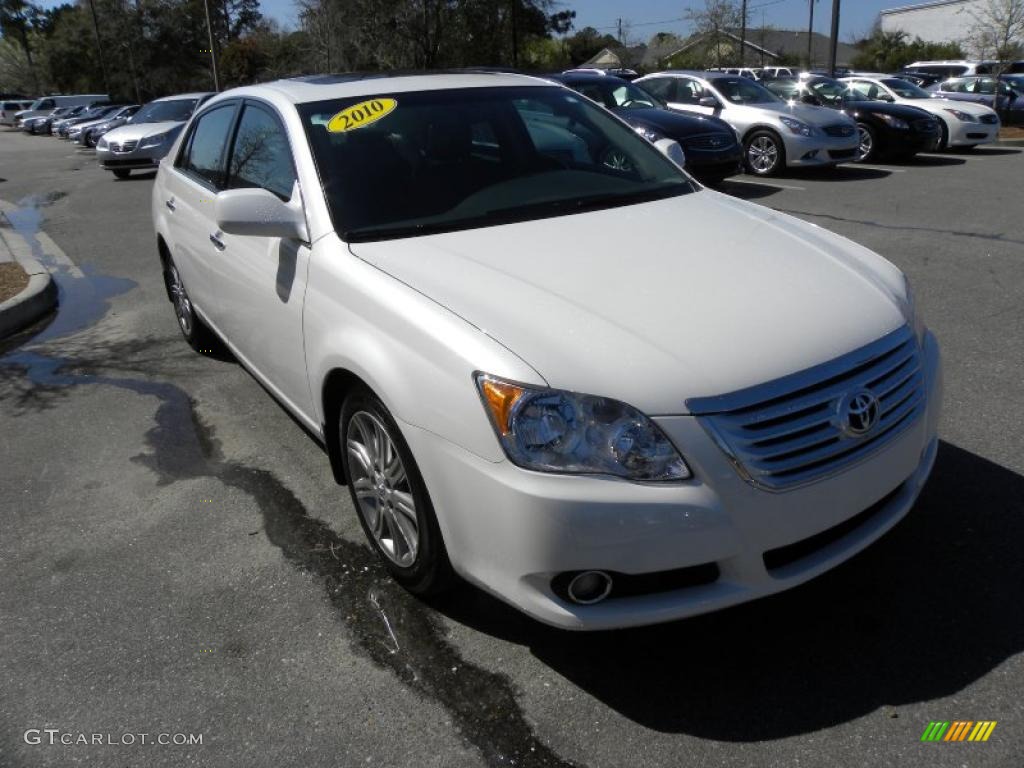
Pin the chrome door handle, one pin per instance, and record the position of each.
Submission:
(170, 204)
(218, 243)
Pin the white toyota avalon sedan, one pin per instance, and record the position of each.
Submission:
(539, 355)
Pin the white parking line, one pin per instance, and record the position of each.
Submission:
(885, 168)
(765, 184)
(20, 242)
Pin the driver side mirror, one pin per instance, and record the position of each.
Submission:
(260, 213)
(708, 101)
(672, 150)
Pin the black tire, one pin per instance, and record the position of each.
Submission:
(773, 158)
(193, 329)
(943, 136)
(122, 173)
(867, 149)
(429, 572)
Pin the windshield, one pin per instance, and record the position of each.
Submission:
(905, 90)
(407, 164)
(833, 93)
(742, 90)
(177, 111)
(616, 94)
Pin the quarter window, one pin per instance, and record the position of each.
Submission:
(662, 87)
(204, 157)
(261, 156)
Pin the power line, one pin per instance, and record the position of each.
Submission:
(677, 19)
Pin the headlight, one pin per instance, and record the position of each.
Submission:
(911, 312)
(894, 122)
(154, 141)
(101, 144)
(798, 127)
(648, 133)
(962, 116)
(549, 430)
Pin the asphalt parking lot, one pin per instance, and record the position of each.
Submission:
(175, 558)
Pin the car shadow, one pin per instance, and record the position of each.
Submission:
(746, 189)
(982, 151)
(929, 609)
(922, 160)
(846, 172)
(148, 175)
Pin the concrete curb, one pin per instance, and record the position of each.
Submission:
(36, 299)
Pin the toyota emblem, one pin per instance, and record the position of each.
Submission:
(859, 412)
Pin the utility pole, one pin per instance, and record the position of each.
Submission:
(99, 47)
(515, 33)
(834, 40)
(743, 34)
(213, 51)
(619, 23)
(810, 38)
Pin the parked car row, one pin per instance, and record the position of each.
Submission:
(126, 137)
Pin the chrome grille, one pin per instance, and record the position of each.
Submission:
(789, 431)
(127, 146)
(989, 119)
(839, 129)
(709, 141)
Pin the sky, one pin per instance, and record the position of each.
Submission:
(856, 17)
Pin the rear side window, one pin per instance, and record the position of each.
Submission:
(204, 156)
(261, 156)
(662, 87)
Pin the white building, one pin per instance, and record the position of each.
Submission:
(944, 21)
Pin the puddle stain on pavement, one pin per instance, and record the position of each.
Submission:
(389, 626)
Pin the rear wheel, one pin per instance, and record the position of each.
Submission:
(867, 146)
(122, 173)
(390, 496)
(763, 153)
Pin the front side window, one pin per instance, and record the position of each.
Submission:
(689, 91)
(443, 160)
(662, 87)
(203, 157)
(261, 156)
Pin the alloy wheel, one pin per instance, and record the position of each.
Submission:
(381, 486)
(762, 154)
(866, 145)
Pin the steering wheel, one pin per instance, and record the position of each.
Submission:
(617, 160)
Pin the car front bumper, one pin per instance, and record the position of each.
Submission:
(136, 159)
(512, 531)
(968, 134)
(819, 150)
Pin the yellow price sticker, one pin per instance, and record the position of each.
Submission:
(358, 115)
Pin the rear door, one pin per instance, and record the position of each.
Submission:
(199, 172)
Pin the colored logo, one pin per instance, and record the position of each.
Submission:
(858, 412)
(959, 730)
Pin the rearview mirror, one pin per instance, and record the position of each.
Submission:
(708, 101)
(260, 213)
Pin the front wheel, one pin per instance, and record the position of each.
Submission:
(764, 153)
(192, 327)
(866, 146)
(943, 136)
(390, 496)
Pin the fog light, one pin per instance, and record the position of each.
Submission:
(590, 587)
(810, 155)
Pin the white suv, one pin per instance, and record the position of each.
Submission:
(776, 134)
(538, 353)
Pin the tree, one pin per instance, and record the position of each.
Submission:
(888, 51)
(712, 22)
(997, 32)
(20, 18)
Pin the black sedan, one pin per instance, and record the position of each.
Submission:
(712, 150)
(886, 130)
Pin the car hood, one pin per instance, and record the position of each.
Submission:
(903, 111)
(138, 131)
(90, 123)
(673, 124)
(934, 105)
(817, 116)
(629, 304)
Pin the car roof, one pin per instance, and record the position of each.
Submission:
(587, 77)
(300, 90)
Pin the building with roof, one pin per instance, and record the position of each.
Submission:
(941, 21)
